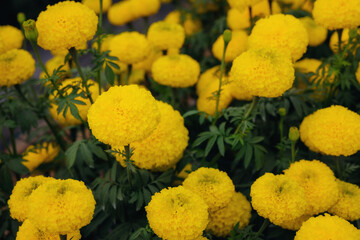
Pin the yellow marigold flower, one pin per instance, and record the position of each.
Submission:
(190, 25)
(184, 173)
(185, 212)
(166, 144)
(66, 24)
(242, 4)
(213, 185)
(165, 35)
(276, 75)
(146, 64)
(317, 34)
(261, 9)
(348, 205)
(36, 155)
(278, 198)
(61, 206)
(95, 5)
(10, 38)
(337, 14)
(334, 40)
(121, 13)
(296, 223)
(223, 220)
(308, 6)
(207, 101)
(27, 231)
(145, 8)
(333, 131)
(318, 182)
(130, 47)
(327, 227)
(137, 76)
(123, 115)
(284, 32)
(69, 119)
(63, 51)
(16, 66)
(238, 19)
(19, 198)
(237, 45)
(177, 70)
(53, 64)
(207, 77)
(358, 73)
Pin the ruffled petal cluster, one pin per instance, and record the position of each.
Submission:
(166, 35)
(317, 34)
(10, 38)
(36, 155)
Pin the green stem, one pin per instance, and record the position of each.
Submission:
(262, 228)
(281, 128)
(36, 50)
(13, 142)
(63, 237)
(339, 32)
(293, 151)
(247, 114)
(128, 162)
(5, 143)
(128, 74)
(338, 168)
(75, 58)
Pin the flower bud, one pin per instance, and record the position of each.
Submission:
(294, 134)
(227, 36)
(21, 18)
(282, 112)
(30, 30)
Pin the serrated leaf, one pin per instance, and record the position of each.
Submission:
(220, 144)
(248, 155)
(97, 150)
(16, 165)
(71, 153)
(112, 196)
(140, 201)
(110, 75)
(86, 155)
(210, 144)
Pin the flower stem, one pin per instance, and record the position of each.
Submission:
(5, 143)
(281, 128)
(338, 168)
(128, 74)
(13, 143)
(75, 58)
(262, 228)
(339, 32)
(36, 50)
(248, 112)
(128, 163)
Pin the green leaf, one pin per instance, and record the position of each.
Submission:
(113, 195)
(110, 75)
(210, 144)
(248, 155)
(147, 195)
(16, 165)
(74, 111)
(71, 153)
(105, 193)
(190, 113)
(97, 150)
(220, 144)
(86, 155)
(140, 201)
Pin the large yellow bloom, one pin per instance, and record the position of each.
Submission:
(237, 45)
(166, 144)
(262, 72)
(165, 35)
(121, 13)
(36, 155)
(317, 34)
(10, 38)
(283, 32)
(95, 5)
(16, 66)
(145, 8)
(177, 213)
(147, 63)
(333, 131)
(318, 182)
(66, 24)
(337, 14)
(61, 206)
(213, 185)
(238, 19)
(191, 25)
(327, 227)
(278, 198)
(123, 114)
(223, 220)
(206, 78)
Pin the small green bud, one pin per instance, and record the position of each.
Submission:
(30, 30)
(227, 36)
(21, 18)
(282, 112)
(294, 134)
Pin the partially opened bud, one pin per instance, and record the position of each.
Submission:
(30, 30)
(294, 134)
(227, 36)
(282, 112)
(21, 18)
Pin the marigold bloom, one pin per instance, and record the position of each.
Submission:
(238, 19)
(347, 206)
(223, 220)
(284, 32)
(95, 5)
(16, 66)
(206, 78)
(36, 155)
(317, 34)
(237, 45)
(10, 38)
(147, 63)
(185, 212)
(213, 185)
(53, 64)
(333, 131)
(61, 206)
(65, 25)
(262, 72)
(123, 114)
(242, 4)
(296, 223)
(190, 24)
(166, 144)
(121, 13)
(177, 70)
(261, 9)
(145, 8)
(19, 198)
(337, 14)
(307, 65)
(278, 198)
(327, 227)
(130, 47)
(345, 36)
(166, 35)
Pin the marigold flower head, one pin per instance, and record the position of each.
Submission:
(178, 70)
(213, 185)
(223, 220)
(185, 212)
(137, 76)
(145, 8)
(317, 34)
(19, 198)
(206, 78)
(261, 9)
(333, 131)
(53, 64)
(16, 66)
(284, 32)
(238, 19)
(121, 13)
(61, 206)
(27, 231)
(296, 223)
(95, 5)
(165, 35)
(10, 38)
(327, 227)
(65, 25)
(262, 72)
(242, 4)
(347, 206)
(130, 47)
(337, 14)
(69, 84)
(146, 64)
(123, 114)
(237, 45)
(278, 198)
(190, 24)
(36, 155)
(345, 36)
(307, 65)
(165, 145)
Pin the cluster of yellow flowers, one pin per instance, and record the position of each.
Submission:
(36, 155)
(191, 25)
(206, 200)
(49, 207)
